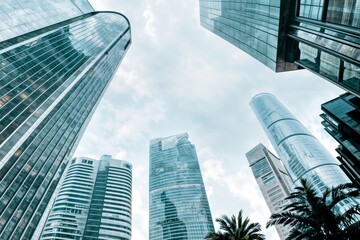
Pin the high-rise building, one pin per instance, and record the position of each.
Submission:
(303, 156)
(94, 201)
(342, 121)
(273, 181)
(179, 208)
(321, 36)
(56, 60)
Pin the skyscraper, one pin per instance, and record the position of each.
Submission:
(342, 121)
(273, 181)
(301, 153)
(94, 201)
(56, 60)
(179, 207)
(321, 36)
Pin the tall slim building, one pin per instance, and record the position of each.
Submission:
(273, 181)
(342, 121)
(94, 201)
(321, 36)
(179, 208)
(301, 153)
(56, 60)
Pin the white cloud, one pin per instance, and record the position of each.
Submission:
(140, 214)
(150, 28)
(240, 187)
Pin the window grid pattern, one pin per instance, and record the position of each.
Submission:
(179, 207)
(251, 25)
(64, 75)
(20, 17)
(301, 153)
(88, 205)
(328, 40)
(273, 185)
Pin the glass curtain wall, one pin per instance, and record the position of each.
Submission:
(20, 17)
(301, 153)
(179, 207)
(50, 84)
(327, 32)
(251, 25)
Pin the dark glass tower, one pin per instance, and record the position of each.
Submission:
(52, 76)
(319, 35)
(179, 207)
(342, 121)
(94, 201)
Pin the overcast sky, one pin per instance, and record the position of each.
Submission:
(178, 77)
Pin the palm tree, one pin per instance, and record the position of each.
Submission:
(236, 229)
(315, 217)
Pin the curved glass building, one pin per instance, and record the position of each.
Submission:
(301, 153)
(53, 73)
(179, 207)
(21, 17)
(94, 201)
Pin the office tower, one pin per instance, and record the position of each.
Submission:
(94, 201)
(321, 36)
(51, 80)
(273, 181)
(301, 153)
(21, 17)
(179, 208)
(342, 121)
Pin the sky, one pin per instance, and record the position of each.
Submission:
(178, 77)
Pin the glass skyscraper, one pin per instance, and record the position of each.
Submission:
(251, 25)
(273, 181)
(94, 201)
(179, 207)
(319, 35)
(342, 121)
(56, 60)
(301, 153)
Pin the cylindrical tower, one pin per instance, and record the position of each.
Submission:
(301, 153)
(94, 201)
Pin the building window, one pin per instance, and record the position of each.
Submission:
(344, 12)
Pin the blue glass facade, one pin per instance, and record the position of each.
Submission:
(254, 26)
(179, 207)
(301, 153)
(319, 35)
(20, 17)
(94, 201)
(51, 80)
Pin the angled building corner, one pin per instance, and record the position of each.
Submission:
(273, 181)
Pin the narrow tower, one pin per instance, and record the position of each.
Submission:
(273, 180)
(179, 207)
